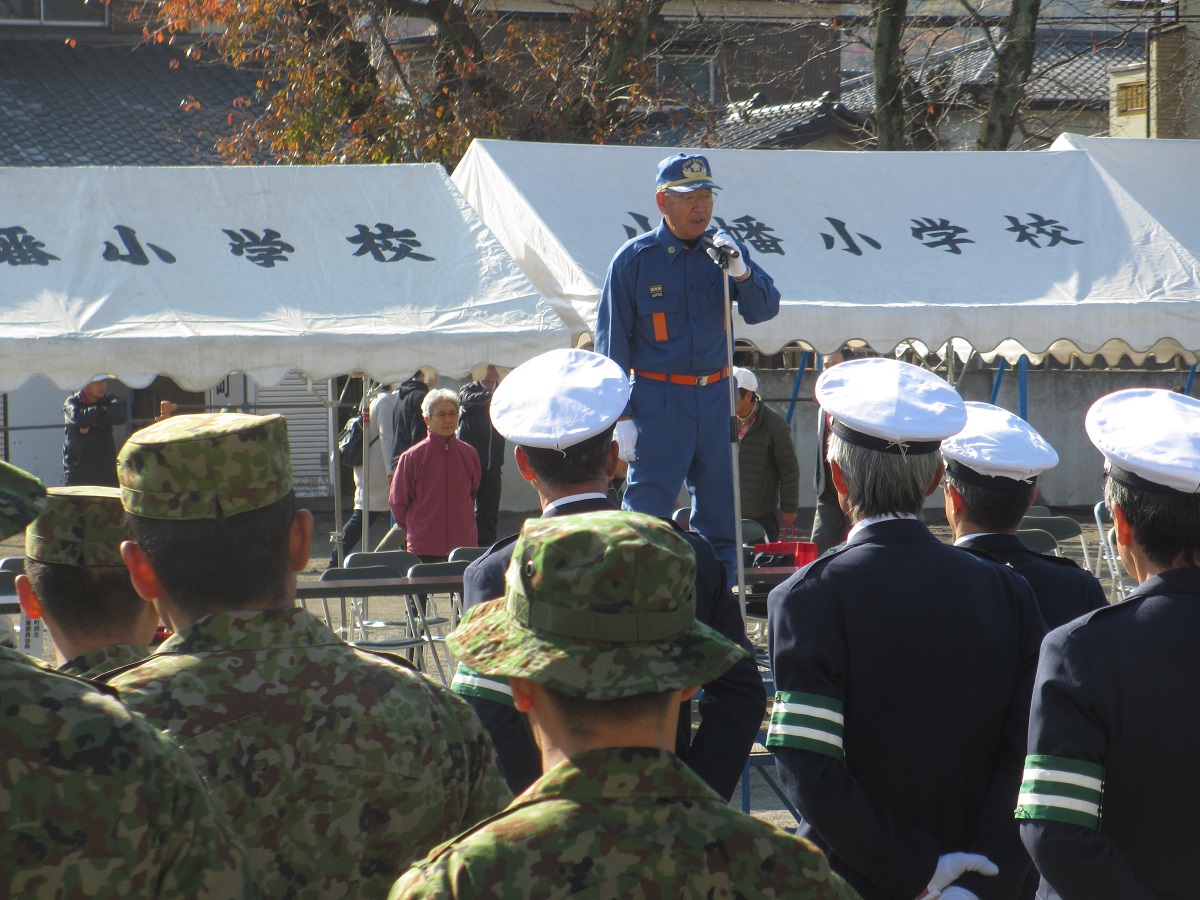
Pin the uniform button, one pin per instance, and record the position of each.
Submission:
(670, 249)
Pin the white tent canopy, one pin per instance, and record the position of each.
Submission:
(1033, 251)
(198, 272)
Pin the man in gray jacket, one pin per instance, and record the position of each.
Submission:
(770, 473)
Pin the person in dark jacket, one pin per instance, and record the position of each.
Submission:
(1108, 804)
(560, 410)
(475, 428)
(992, 467)
(767, 465)
(903, 666)
(410, 423)
(89, 451)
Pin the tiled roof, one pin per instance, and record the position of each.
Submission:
(1069, 68)
(747, 127)
(110, 101)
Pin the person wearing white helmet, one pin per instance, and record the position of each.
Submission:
(767, 464)
(1108, 804)
(903, 666)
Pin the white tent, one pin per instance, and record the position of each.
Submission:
(1095, 241)
(198, 272)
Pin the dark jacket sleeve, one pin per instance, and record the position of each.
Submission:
(808, 654)
(1080, 863)
(731, 706)
(109, 411)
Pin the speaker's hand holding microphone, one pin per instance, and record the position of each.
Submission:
(725, 253)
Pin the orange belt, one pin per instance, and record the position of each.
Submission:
(691, 380)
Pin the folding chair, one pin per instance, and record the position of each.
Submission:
(354, 618)
(1061, 528)
(399, 561)
(466, 554)
(1107, 553)
(1038, 541)
(13, 564)
(1038, 512)
(752, 533)
(417, 637)
(425, 603)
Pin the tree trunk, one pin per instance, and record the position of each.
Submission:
(890, 131)
(1013, 67)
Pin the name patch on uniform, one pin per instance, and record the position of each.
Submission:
(656, 291)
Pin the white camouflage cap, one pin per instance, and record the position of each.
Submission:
(997, 444)
(1150, 439)
(560, 399)
(888, 405)
(746, 380)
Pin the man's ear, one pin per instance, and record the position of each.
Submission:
(31, 604)
(839, 478)
(660, 202)
(522, 694)
(1124, 530)
(953, 498)
(300, 540)
(523, 465)
(141, 572)
(937, 477)
(614, 459)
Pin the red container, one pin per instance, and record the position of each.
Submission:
(803, 552)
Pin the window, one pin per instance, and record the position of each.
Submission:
(53, 12)
(688, 77)
(1131, 98)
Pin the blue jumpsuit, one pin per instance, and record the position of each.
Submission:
(662, 312)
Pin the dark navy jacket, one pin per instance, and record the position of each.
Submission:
(903, 670)
(1063, 590)
(731, 707)
(1118, 695)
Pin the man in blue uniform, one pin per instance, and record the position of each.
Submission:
(903, 666)
(992, 467)
(1108, 804)
(662, 317)
(560, 409)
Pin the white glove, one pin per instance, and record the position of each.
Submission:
(952, 866)
(954, 892)
(723, 244)
(626, 435)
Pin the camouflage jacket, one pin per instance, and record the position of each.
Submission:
(96, 803)
(338, 767)
(631, 822)
(96, 662)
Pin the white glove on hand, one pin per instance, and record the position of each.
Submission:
(952, 866)
(954, 892)
(626, 435)
(724, 244)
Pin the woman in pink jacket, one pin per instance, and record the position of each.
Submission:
(434, 487)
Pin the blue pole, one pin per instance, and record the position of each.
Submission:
(796, 386)
(996, 381)
(1023, 387)
(1187, 388)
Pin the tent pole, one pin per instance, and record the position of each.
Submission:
(365, 412)
(335, 473)
(796, 384)
(1187, 387)
(996, 381)
(1023, 387)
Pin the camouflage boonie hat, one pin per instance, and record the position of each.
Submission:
(80, 526)
(205, 466)
(21, 498)
(599, 607)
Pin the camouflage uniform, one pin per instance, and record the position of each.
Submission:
(93, 801)
(95, 663)
(338, 767)
(84, 527)
(599, 607)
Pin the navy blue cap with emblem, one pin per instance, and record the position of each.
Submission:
(685, 172)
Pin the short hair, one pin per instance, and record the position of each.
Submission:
(434, 397)
(879, 483)
(1165, 526)
(222, 564)
(86, 600)
(584, 719)
(991, 509)
(583, 462)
